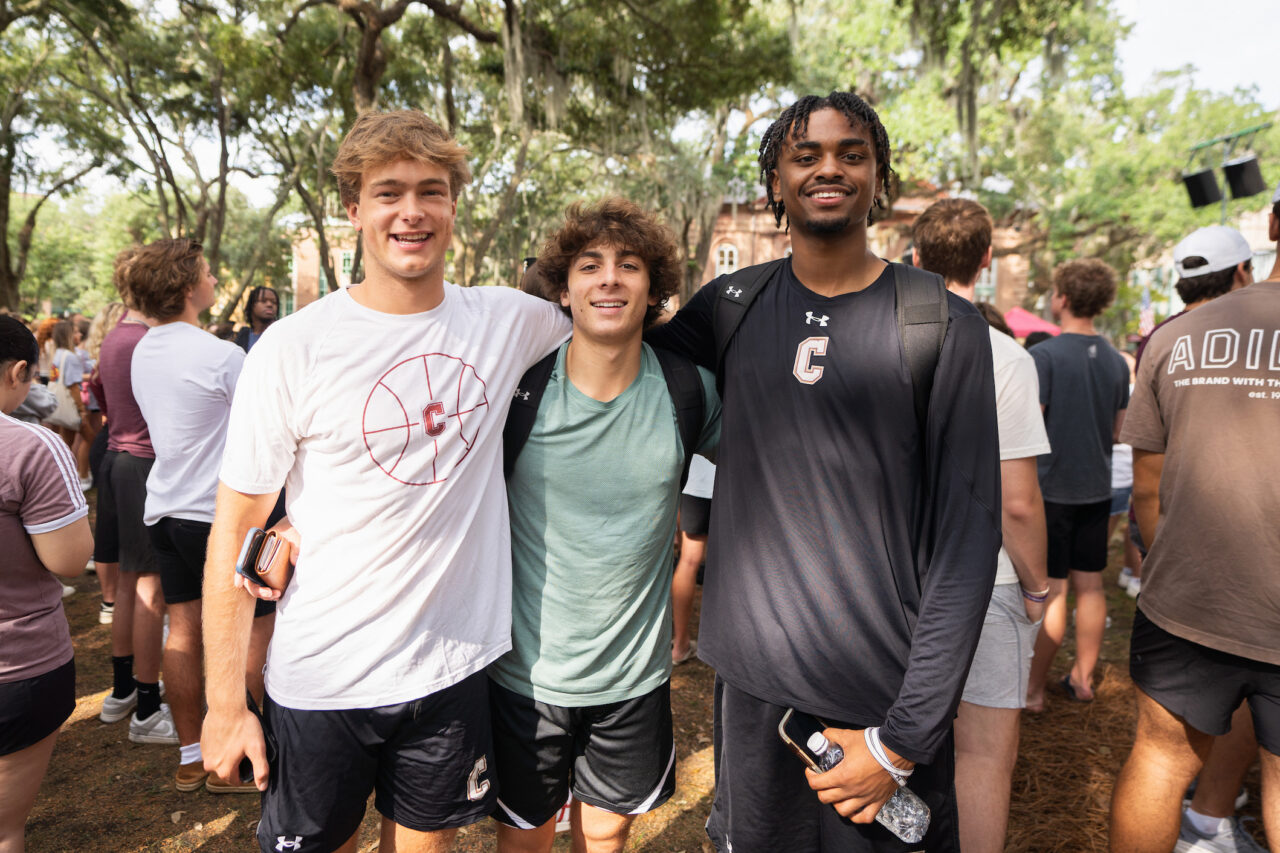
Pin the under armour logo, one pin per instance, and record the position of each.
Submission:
(809, 318)
(283, 843)
(735, 292)
(521, 395)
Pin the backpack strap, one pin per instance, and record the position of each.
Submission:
(685, 387)
(922, 326)
(735, 296)
(524, 410)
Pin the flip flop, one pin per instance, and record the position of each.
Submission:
(1071, 691)
(687, 656)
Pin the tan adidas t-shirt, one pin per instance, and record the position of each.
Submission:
(1208, 397)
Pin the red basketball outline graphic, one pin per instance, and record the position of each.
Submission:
(408, 426)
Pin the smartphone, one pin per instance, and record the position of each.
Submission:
(246, 563)
(794, 728)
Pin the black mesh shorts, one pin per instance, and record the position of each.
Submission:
(619, 757)
(1204, 686)
(1077, 537)
(34, 708)
(429, 762)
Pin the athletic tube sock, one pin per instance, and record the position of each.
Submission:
(121, 676)
(1207, 825)
(190, 753)
(148, 699)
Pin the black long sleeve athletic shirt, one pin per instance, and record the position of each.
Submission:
(850, 563)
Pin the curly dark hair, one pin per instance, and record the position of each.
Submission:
(1088, 284)
(158, 276)
(794, 121)
(612, 222)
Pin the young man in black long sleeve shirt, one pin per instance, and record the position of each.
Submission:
(852, 549)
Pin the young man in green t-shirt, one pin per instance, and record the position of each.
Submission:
(581, 703)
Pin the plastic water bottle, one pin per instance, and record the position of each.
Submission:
(905, 814)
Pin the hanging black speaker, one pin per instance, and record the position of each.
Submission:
(1244, 176)
(1202, 187)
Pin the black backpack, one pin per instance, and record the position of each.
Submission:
(921, 310)
(683, 384)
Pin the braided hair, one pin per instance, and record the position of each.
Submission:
(794, 121)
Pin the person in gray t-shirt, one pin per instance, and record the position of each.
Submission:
(1084, 389)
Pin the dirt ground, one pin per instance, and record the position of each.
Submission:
(103, 793)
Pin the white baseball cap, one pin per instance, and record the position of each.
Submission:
(1221, 246)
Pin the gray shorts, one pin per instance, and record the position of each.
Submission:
(1002, 662)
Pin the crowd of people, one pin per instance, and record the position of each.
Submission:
(480, 492)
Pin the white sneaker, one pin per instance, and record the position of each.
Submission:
(1126, 575)
(67, 590)
(91, 568)
(106, 613)
(1135, 587)
(1233, 838)
(114, 710)
(86, 483)
(158, 728)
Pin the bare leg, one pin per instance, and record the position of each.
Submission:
(148, 627)
(537, 840)
(986, 750)
(21, 773)
(400, 839)
(1091, 622)
(1132, 556)
(1147, 802)
(122, 627)
(1229, 760)
(1048, 641)
(259, 640)
(684, 587)
(183, 670)
(107, 580)
(1271, 796)
(598, 831)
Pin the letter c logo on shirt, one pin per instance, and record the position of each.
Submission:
(433, 419)
(804, 369)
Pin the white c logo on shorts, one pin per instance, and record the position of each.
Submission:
(476, 787)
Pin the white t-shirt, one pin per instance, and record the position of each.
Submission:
(387, 430)
(1018, 415)
(1122, 463)
(183, 379)
(702, 477)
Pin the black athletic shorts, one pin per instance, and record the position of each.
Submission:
(763, 800)
(180, 546)
(106, 535)
(620, 756)
(695, 515)
(1204, 686)
(1077, 537)
(127, 476)
(34, 708)
(430, 762)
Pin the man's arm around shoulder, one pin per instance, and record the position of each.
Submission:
(231, 731)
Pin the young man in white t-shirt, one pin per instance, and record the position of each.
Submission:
(183, 379)
(953, 238)
(381, 407)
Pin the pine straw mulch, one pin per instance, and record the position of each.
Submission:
(103, 793)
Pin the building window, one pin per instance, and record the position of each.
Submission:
(286, 303)
(986, 284)
(726, 259)
(347, 259)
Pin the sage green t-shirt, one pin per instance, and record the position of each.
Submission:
(593, 501)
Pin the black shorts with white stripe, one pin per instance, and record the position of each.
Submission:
(619, 757)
